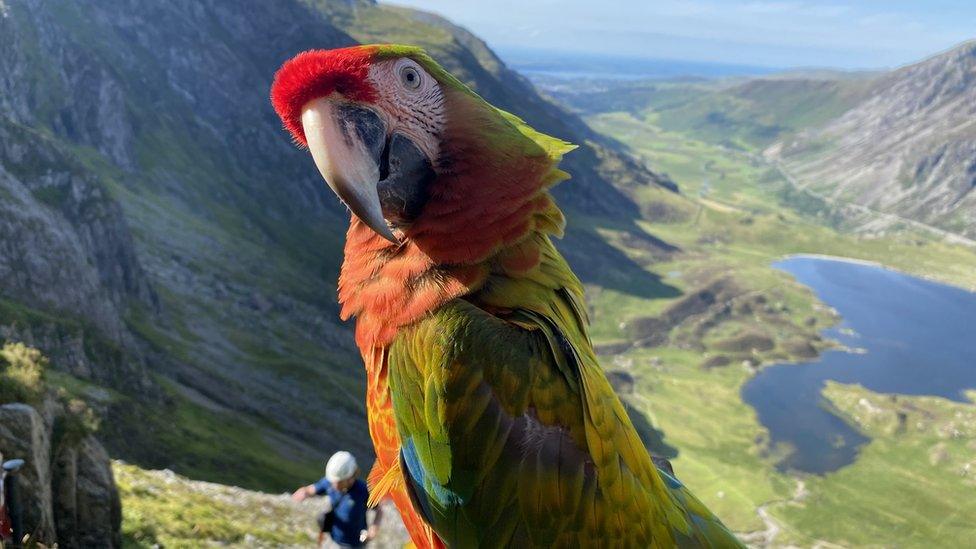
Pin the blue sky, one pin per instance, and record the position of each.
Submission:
(776, 33)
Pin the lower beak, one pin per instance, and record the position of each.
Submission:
(347, 141)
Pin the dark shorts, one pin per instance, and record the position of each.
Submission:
(325, 521)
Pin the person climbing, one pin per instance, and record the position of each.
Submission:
(344, 517)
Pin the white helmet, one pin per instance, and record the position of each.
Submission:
(341, 466)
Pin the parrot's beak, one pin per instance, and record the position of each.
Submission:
(347, 142)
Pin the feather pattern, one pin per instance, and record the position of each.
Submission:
(492, 420)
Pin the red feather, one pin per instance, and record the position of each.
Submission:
(317, 73)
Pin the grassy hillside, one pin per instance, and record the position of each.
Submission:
(163, 509)
(913, 484)
(737, 215)
(739, 113)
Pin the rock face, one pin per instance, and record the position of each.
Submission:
(24, 435)
(66, 488)
(87, 510)
(65, 246)
(908, 148)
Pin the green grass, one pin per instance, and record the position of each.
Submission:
(911, 486)
(161, 509)
(204, 442)
(736, 216)
(699, 168)
(740, 114)
(717, 435)
(22, 373)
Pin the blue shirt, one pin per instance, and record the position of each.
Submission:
(349, 509)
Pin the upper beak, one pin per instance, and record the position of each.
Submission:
(347, 141)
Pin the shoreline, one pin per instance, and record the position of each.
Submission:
(872, 263)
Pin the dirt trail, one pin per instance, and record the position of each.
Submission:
(766, 538)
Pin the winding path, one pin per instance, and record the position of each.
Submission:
(766, 538)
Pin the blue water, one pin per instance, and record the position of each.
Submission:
(574, 65)
(919, 338)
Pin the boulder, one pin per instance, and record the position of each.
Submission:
(87, 508)
(24, 434)
(67, 491)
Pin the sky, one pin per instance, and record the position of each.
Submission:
(861, 34)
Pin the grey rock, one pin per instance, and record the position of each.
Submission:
(908, 148)
(25, 435)
(87, 508)
(67, 491)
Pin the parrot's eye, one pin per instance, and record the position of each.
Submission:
(410, 77)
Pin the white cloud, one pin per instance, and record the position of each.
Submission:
(855, 33)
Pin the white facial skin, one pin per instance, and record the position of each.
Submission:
(410, 102)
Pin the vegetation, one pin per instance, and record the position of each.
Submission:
(737, 215)
(25, 379)
(21, 374)
(913, 485)
(742, 114)
(162, 509)
(206, 442)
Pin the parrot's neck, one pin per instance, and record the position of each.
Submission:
(387, 287)
(484, 215)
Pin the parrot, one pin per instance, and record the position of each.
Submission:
(492, 420)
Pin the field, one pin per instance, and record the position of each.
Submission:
(736, 215)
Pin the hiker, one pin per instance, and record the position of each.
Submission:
(344, 517)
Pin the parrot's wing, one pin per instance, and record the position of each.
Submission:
(511, 437)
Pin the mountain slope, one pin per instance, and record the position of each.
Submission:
(161, 236)
(598, 169)
(908, 148)
(736, 112)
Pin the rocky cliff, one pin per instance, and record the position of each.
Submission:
(66, 489)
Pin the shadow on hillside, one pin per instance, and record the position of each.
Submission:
(596, 262)
(652, 438)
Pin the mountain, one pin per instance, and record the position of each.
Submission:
(877, 149)
(908, 147)
(170, 250)
(740, 112)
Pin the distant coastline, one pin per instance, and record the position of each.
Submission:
(590, 65)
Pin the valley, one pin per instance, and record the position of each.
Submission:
(738, 213)
(176, 259)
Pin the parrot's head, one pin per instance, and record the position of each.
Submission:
(373, 124)
(414, 153)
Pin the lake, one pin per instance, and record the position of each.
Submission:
(914, 336)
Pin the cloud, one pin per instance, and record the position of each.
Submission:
(855, 33)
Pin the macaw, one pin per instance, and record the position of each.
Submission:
(492, 420)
